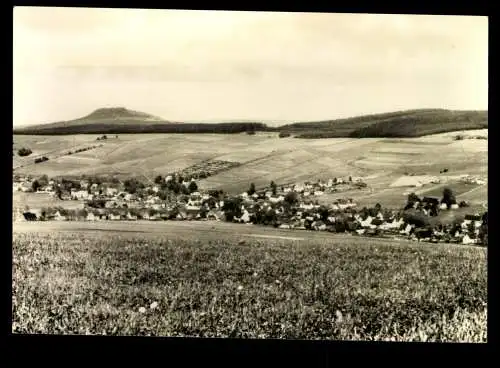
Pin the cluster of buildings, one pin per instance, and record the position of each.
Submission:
(274, 207)
(468, 179)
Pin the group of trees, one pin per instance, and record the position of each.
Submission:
(448, 198)
(132, 185)
(41, 159)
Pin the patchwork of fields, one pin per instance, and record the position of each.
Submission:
(264, 157)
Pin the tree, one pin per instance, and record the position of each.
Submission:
(412, 199)
(184, 190)
(291, 198)
(158, 179)
(232, 208)
(323, 212)
(416, 218)
(82, 213)
(193, 187)
(273, 187)
(58, 192)
(448, 197)
(43, 180)
(162, 195)
(35, 185)
(252, 189)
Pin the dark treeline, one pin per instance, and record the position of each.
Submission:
(223, 128)
(410, 124)
(400, 124)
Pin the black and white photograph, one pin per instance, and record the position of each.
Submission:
(250, 174)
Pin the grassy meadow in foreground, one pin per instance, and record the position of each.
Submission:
(130, 285)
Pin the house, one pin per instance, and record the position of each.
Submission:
(465, 223)
(454, 206)
(367, 221)
(59, 217)
(298, 188)
(318, 193)
(79, 194)
(114, 217)
(91, 216)
(26, 187)
(306, 206)
(468, 240)
(318, 226)
(182, 215)
(443, 206)
(130, 197)
(111, 191)
(406, 230)
(131, 217)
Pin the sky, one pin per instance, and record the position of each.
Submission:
(186, 65)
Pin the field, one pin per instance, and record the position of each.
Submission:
(210, 281)
(40, 200)
(265, 157)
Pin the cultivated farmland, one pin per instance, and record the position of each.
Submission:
(178, 280)
(263, 157)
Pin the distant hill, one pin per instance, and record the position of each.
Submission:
(117, 120)
(400, 124)
(410, 123)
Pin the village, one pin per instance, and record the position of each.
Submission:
(290, 206)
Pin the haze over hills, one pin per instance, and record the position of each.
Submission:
(409, 123)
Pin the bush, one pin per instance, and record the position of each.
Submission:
(284, 135)
(24, 152)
